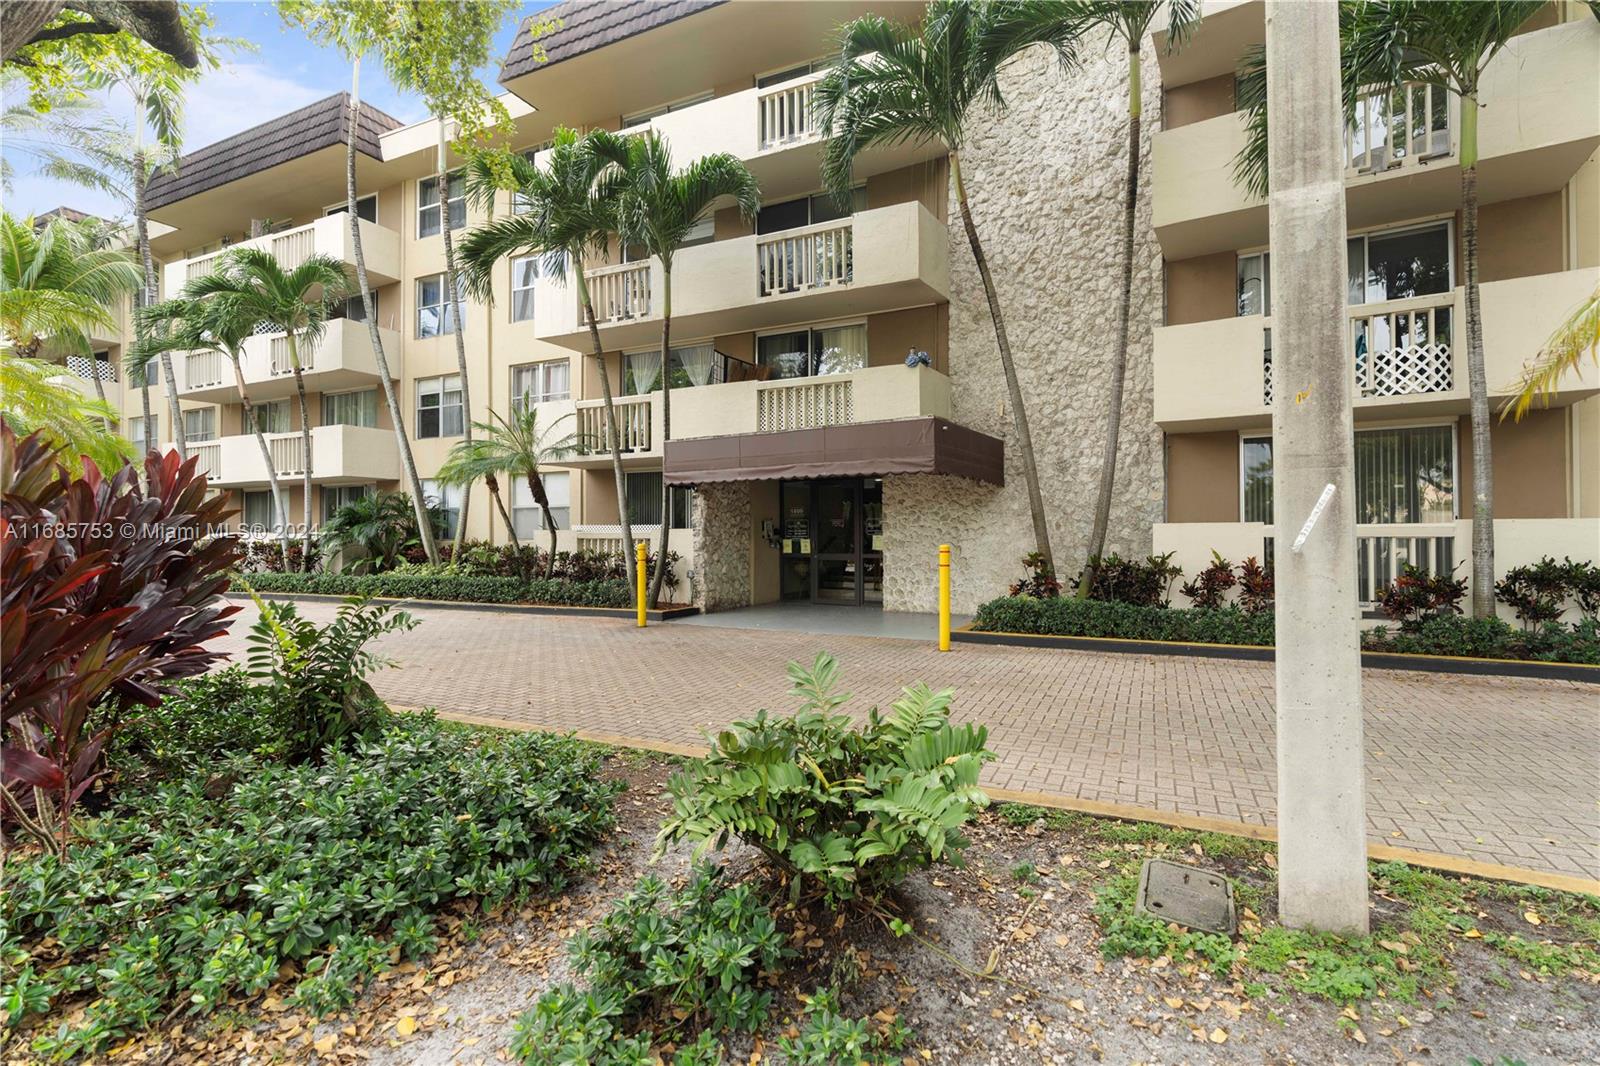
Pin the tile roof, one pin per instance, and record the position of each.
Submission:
(590, 24)
(299, 133)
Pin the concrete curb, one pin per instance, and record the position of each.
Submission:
(1372, 660)
(666, 614)
(1433, 860)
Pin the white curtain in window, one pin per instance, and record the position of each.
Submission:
(641, 373)
(841, 349)
(698, 363)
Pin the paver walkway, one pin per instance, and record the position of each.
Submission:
(1500, 770)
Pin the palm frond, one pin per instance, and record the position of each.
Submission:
(1562, 354)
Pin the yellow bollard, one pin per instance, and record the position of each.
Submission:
(944, 597)
(639, 568)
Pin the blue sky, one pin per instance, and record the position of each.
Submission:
(285, 72)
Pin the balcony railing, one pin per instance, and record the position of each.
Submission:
(800, 260)
(203, 370)
(633, 425)
(328, 235)
(288, 453)
(1383, 553)
(784, 115)
(809, 403)
(620, 293)
(279, 361)
(1398, 348)
(88, 369)
(208, 458)
(1405, 127)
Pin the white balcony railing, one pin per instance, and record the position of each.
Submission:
(1402, 128)
(328, 235)
(620, 293)
(88, 368)
(279, 362)
(208, 458)
(288, 453)
(1398, 348)
(800, 260)
(633, 425)
(810, 403)
(203, 370)
(784, 115)
(1382, 556)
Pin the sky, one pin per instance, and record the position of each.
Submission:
(285, 72)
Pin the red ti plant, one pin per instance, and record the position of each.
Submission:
(108, 589)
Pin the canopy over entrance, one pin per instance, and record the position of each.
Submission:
(863, 449)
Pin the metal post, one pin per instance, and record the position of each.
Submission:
(639, 570)
(944, 597)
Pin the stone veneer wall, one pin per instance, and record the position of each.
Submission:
(722, 547)
(1045, 183)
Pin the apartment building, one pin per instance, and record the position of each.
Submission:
(837, 407)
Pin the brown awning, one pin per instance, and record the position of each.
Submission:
(865, 449)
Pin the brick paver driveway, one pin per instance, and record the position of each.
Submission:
(1499, 770)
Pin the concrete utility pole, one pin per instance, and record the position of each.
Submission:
(1322, 871)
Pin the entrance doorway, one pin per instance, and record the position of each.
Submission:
(833, 541)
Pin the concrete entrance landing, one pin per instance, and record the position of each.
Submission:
(825, 618)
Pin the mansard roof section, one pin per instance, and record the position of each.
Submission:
(281, 140)
(590, 24)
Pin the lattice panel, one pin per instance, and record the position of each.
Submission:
(1407, 370)
(809, 406)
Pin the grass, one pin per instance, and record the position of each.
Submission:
(1421, 920)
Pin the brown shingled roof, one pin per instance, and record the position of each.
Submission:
(590, 24)
(299, 133)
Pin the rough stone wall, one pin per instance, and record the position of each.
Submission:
(722, 547)
(1045, 183)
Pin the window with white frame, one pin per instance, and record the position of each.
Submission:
(258, 511)
(799, 353)
(439, 412)
(524, 272)
(643, 489)
(200, 425)
(272, 417)
(447, 499)
(540, 383)
(337, 496)
(639, 118)
(366, 208)
(529, 516)
(693, 364)
(143, 442)
(1399, 263)
(350, 408)
(1255, 284)
(436, 312)
(1404, 475)
(428, 204)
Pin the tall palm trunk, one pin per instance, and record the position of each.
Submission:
(614, 439)
(305, 445)
(1119, 357)
(144, 401)
(278, 506)
(540, 497)
(99, 389)
(1019, 415)
(491, 483)
(408, 463)
(461, 341)
(151, 292)
(666, 431)
(1477, 378)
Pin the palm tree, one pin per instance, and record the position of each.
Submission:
(1564, 350)
(295, 302)
(383, 526)
(56, 285)
(516, 447)
(32, 399)
(896, 85)
(1129, 22)
(453, 301)
(657, 207)
(567, 218)
(220, 324)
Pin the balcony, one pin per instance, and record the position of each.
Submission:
(1407, 357)
(895, 256)
(1539, 122)
(339, 454)
(341, 359)
(329, 235)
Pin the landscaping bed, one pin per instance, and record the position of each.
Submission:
(456, 588)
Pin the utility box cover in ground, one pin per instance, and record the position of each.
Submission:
(1189, 895)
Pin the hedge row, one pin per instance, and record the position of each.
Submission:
(454, 587)
(1491, 638)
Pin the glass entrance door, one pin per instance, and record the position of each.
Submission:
(833, 541)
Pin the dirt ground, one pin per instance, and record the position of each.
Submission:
(1050, 996)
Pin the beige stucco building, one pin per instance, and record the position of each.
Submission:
(815, 463)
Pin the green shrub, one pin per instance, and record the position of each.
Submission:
(202, 723)
(179, 900)
(1092, 618)
(667, 961)
(829, 1037)
(449, 587)
(1493, 638)
(854, 809)
(1541, 592)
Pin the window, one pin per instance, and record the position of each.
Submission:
(524, 272)
(818, 207)
(258, 511)
(1403, 476)
(447, 498)
(644, 500)
(540, 383)
(272, 417)
(351, 408)
(200, 425)
(366, 208)
(696, 364)
(436, 314)
(639, 118)
(810, 352)
(144, 442)
(354, 309)
(337, 496)
(816, 66)
(529, 516)
(428, 204)
(439, 407)
(1398, 264)
(1255, 284)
